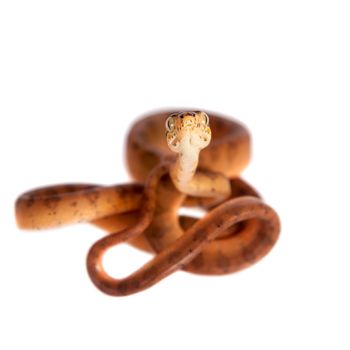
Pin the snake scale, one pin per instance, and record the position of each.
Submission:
(178, 160)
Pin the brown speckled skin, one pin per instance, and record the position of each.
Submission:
(234, 234)
(73, 203)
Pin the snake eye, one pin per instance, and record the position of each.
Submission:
(169, 124)
(206, 118)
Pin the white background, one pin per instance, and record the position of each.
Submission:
(75, 74)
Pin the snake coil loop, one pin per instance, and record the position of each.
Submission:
(237, 230)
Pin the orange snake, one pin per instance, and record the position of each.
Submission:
(237, 231)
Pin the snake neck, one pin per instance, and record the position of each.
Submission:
(187, 141)
(184, 168)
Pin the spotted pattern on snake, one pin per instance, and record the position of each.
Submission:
(178, 159)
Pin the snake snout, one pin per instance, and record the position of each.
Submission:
(188, 121)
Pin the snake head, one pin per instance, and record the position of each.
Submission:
(187, 130)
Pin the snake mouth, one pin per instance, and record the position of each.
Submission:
(187, 114)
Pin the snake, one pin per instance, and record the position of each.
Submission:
(177, 159)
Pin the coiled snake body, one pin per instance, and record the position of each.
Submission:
(193, 165)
